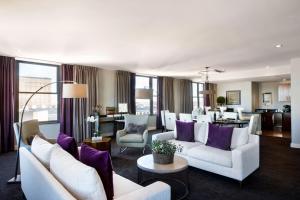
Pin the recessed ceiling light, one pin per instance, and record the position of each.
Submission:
(278, 45)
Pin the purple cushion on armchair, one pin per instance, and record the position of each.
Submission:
(101, 161)
(68, 143)
(219, 137)
(185, 131)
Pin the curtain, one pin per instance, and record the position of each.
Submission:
(66, 105)
(126, 89)
(84, 107)
(210, 93)
(168, 93)
(8, 90)
(186, 96)
(74, 112)
(159, 102)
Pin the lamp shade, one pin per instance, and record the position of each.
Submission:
(142, 93)
(75, 90)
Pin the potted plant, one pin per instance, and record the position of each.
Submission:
(221, 100)
(163, 151)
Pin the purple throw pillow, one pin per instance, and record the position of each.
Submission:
(101, 161)
(69, 144)
(219, 137)
(185, 131)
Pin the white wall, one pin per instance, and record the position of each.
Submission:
(265, 87)
(295, 102)
(108, 89)
(246, 93)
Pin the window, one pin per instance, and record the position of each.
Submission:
(198, 100)
(149, 105)
(44, 105)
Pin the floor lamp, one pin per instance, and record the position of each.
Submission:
(71, 89)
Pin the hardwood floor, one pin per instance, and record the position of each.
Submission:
(277, 133)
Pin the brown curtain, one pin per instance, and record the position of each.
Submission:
(126, 89)
(186, 96)
(168, 93)
(8, 90)
(84, 107)
(210, 94)
(159, 102)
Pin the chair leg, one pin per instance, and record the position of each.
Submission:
(122, 149)
(144, 150)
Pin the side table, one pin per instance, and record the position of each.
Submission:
(103, 145)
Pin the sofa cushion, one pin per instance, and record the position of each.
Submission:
(42, 150)
(123, 186)
(211, 154)
(100, 160)
(239, 137)
(132, 138)
(82, 181)
(201, 132)
(185, 146)
(219, 136)
(185, 131)
(68, 144)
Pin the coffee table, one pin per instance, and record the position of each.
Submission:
(164, 172)
(102, 145)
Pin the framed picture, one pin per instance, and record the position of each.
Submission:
(267, 98)
(233, 97)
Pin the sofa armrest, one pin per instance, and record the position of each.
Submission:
(120, 133)
(164, 136)
(246, 158)
(155, 191)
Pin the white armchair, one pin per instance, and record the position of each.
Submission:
(136, 140)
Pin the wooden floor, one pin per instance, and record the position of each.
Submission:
(277, 133)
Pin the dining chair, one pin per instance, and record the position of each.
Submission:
(185, 117)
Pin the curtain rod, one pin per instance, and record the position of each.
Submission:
(38, 60)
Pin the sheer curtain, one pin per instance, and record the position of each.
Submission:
(8, 77)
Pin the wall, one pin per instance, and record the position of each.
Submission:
(108, 89)
(272, 87)
(295, 99)
(246, 93)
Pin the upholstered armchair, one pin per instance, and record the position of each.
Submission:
(125, 138)
(29, 130)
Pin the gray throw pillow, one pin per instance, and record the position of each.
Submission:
(134, 128)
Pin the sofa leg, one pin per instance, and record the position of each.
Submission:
(122, 149)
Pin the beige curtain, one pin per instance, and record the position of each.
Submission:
(84, 107)
(168, 93)
(186, 96)
(210, 94)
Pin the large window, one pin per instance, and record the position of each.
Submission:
(198, 101)
(44, 105)
(146, 105)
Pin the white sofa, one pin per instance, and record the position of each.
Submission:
(69, 179)
(240, 162)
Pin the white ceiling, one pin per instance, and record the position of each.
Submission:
(158, 37)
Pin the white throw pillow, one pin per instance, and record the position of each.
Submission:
(201, 132)
(42, 149)
(82, 181)
(239, 137)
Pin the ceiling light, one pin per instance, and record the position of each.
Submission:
(278, 45)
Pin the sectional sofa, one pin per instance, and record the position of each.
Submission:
(238, 163)
(49, 172)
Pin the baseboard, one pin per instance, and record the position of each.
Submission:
(295, 145)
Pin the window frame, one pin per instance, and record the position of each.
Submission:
(58, 93)
(198, 93)
(150, 87)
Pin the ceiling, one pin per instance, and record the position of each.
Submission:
(157, 37)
